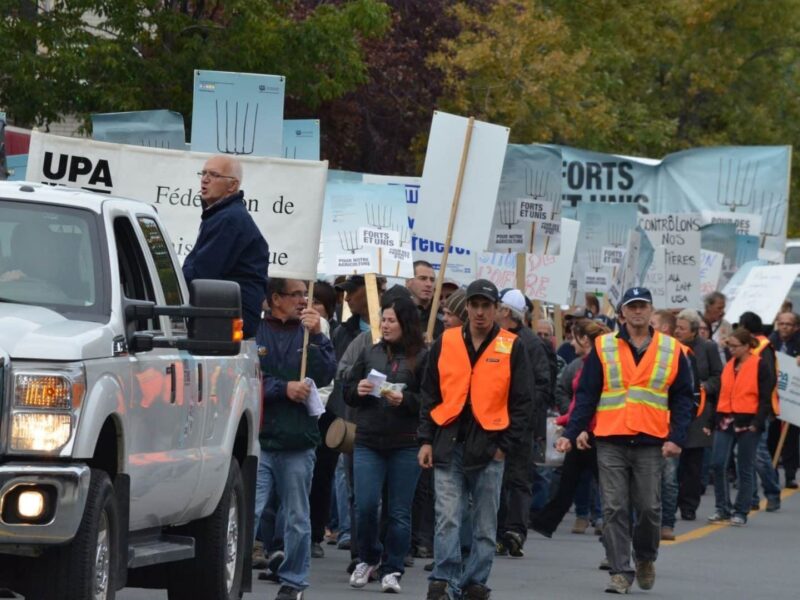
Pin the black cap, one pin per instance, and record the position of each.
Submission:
(351, 284)
(579, 312)
(485, 288)
(636, 294)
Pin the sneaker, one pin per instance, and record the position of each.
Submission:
(618, 585)
(755, 506)
(343, 544)
(773, 504)
(646, 574)
(513, 542)
(667, 534)
(500, 549)
(362, 574)
(391, 583)
(791, 484)
(437, 590)
(738, 521)
(718, 517)
(317, 551)
(269, 576)
(423, 552)
(688, 515)
(259, 561)
(408, 561)
(580, 525)
(274, 560)
(604, 565)
(331, 537)
(288, 592)
(475, 591)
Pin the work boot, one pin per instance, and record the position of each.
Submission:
(581, 525)
(646, 574)
(513, 542)
(437, 590)
(475, 591)
(667, 534)
(618, 585)
(773, 504)
(259, 560)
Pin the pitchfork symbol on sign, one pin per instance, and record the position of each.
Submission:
(773, 211)
(736, 183)
(154, 143)
(236, 129)
(349, 241)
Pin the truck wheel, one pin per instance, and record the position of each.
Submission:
(215, 573)
(86, 568)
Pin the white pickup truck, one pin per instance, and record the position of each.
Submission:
(129, 407)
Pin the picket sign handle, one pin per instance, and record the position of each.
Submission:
(437, 292)
(373, 306)
(304, 360)
(559, 324)
(781, 442)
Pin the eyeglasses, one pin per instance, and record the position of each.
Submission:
(295, 295)
(213, 175)
(734, 346)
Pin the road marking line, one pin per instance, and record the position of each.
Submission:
(701, 532)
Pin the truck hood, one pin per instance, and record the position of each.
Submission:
(37, 333)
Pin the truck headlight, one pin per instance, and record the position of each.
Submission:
(44, 405)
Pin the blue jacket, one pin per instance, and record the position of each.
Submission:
(229, 246)
(590, 386)
(285, 424)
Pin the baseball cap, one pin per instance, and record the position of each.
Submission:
(515, 300)
(351, 284)
(636, 294)
(483, 287)
(579, 312)
(451, 282)
(456, 303)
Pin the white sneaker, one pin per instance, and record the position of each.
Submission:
(362, 574)
(390, 583)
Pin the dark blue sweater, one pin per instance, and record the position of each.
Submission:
(229, 246)
(590, 386)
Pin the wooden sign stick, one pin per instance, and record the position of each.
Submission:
(559, 323)
(304, 359)
(437, 292)
(781, 442)
(373, 306)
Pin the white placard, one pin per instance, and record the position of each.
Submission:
(399, 254)
(285, 202)
(626, 273)
(611, 256)
(482, 172)
(746, 223)
(354, 263)
(532, 210)
(789, 388)
(380, 238)
(656, 278)
(710, 270)
(762, 292)
(597, 282)
(679, 234)
(511, 239)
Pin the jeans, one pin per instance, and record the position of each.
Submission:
(287, 474)
(541, 483)
(342, 492)
(766, 472)
(587, 495)
(453, 486)
(669, 492)
(746, 443)
(630, 480)
(399, 469)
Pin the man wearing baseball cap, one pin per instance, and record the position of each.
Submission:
(476, 403)
(638, 384)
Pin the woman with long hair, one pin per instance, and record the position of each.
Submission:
(545, 522)
(742, 409)
(386, 444)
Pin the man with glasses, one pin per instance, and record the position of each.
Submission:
(229, 245)
(289, 434)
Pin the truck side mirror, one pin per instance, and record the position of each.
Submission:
(219, 335)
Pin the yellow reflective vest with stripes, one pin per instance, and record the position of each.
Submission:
(635, 398)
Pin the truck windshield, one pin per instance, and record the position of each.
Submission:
(50, 256)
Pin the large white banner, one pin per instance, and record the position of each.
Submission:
(789, 388)
(284, 197)
(763, 292)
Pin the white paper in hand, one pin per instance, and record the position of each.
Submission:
(377, 379)
(313, 403)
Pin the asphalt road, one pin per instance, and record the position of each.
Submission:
(759, 561)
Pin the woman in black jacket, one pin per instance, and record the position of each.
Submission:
(385, 444)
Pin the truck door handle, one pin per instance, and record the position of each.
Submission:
(170, 370)
(199, 382)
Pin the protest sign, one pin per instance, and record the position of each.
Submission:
(747, 249)
(627, 273)
(710, 270)
(151, 128)
(655, 279)
(789, 388)
(363, 230)
(732, 286)
(679, 235)
(238, 113)
(547, 277)
(301, 139)
(745, 223)
(721, 237)
(286, 201)
(602, 226)
(595, 282)
(762, 292)
(611, 256)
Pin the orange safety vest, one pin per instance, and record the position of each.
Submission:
(635, 397)
(763, 342)
(739, 391)
(486, 384)
(687, 352)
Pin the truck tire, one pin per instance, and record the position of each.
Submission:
(85, 568)
(216, 571)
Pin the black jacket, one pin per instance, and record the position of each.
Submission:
(542, 370)
(792, 345)
(707, 369)
(479, 444)
(342, 337)
(378, 425)
(229, 246)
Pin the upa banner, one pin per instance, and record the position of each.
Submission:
(286, 199)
